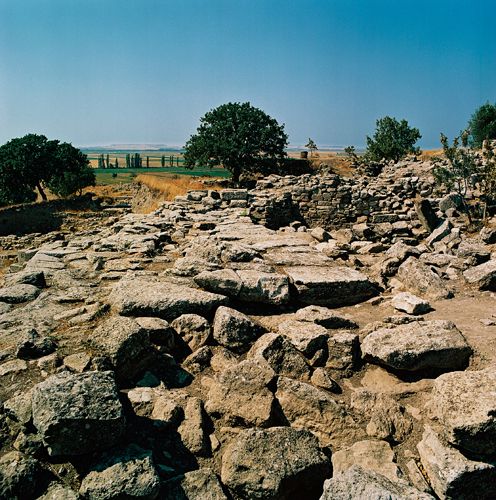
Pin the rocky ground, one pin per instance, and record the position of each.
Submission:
(190, 353)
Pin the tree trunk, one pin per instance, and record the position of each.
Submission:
(42, 193)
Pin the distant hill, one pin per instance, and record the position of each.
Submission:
(132, 147)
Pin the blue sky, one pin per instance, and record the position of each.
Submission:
(99, 72)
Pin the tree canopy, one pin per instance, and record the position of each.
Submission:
(238, 136)
(34, 162)
(392, 140)
(482, 125)
(311, 146)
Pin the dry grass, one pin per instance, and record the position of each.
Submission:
(428, 154)
(170, 188)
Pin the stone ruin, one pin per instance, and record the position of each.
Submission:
(274, 343)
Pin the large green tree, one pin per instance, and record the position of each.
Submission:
(241, 138)
(392, 140)
(482, 125)
(34, 162)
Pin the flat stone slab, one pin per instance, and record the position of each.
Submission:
(466, 406)
(418, 346)
(19, 293)
(162, 300)
(268, 288)
(333, 286)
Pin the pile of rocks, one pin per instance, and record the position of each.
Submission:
(192, 353)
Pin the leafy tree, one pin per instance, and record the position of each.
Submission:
(33, 162)
(311, 146)
(239, 137)
(456, 172)
(392, 140)
(482, 125)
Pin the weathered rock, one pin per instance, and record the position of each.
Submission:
(273, 463)
(417, 346)
(240, 394)
(320, 378)
(193, 329)
(388, 420)
(142, 400)
(78, 362)
(35, 278)
(32, 345)
(320, 234)
(59, 491)
(191, 266)
(19, 409)
(410, 303)
(307, 337)
(125, 343)
(421, 280)
(325, 317)
(29, 444)
(122, 473)
(165, 412)
(16, 365)
(466, 406)
(235, 330)
(268, 288)
(18, 476)
(482, 276)
(452, 475)
(306, 407)
(200, 484)
(159, 331)
(376, 456)
(163, 300)
(78, 413)
(19, 293)
(343, 352)
(192, 430)
(356, 483)
(224, 281)
(439, 233)
(333, 286)
(282, 356)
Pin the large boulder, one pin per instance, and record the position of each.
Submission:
(18, 476)
(234, 330)
(268, 288)
(307, 337)
(163, 300)
(418, 346)
(451, 474)
(421, 280)
(200, 484)
(330, 286)
(125, 343)
(223, 281)
(78, 413)
(466, 406)
(241, 396)
(306, 407)
(482, 276)
(19, 293)
(273, 463)
(357, 483)
(122, 473)
(195, 330)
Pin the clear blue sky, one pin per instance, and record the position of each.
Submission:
(99, 72)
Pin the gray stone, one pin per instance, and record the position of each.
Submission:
(35, 278)
(410, 303)
(325, 317)
(465, 403)
(123, 473)
(193, 329)
(421, 280)
(224, 281)
(482, 276)
(273, 463)
(333, 286)
(165, 412)
(320, 378)
(356, 483)
(29, 444)
(18, 476)
(19, 293)
(241, 396)
(159, 331)
(452, 200)
(320, 234)
(125, 343)
(31, 345)
(191, 266)
(163, 300)
(343, 352)
(78, 362)
(19, 409)
(78, 413)
(268, 288)
(200, 484)
(307, 337)
(14, 366)
(439, 233)
(452, 475)
(235, 330)
(59, 491)
(282, 356)
(306, 407)
(376, 456)
(192, 428)
(418, 346)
